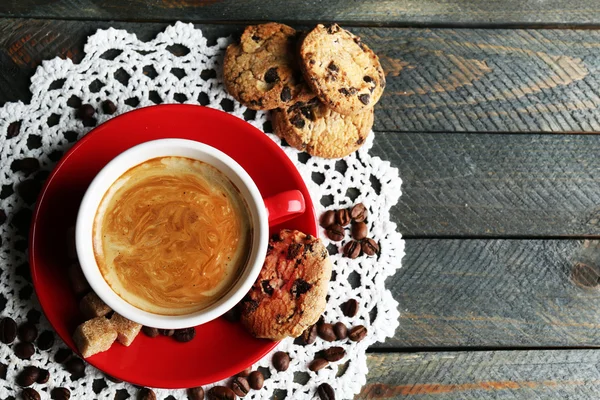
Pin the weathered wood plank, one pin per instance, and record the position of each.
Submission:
(549, 374)
(497, 294)
(439, 80)
(405, 12)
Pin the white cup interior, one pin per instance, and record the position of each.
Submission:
(135, 156)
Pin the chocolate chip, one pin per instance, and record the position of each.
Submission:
(318, 364)
(327, 218)
(249, 306)
(360, 140)
(266, 287)
(364, 98)
(325, 391)
(256, 38)
(340, 330)
(150, 332)
(359, 212)
(357, 333)
(43, 377)
(359, 230)
(294, 250)
(332, 28)
(309, 335)
(196, 393)
(335, 232)
(350, 308)
(271, 76)
(220, 393)
(281, 361)
(256, 380)
(308, 113)
(76, 367)
(233, 315)
(360, 44)
(332, 67)
(286, 94)
(30, 394)
(300, 287)
(26, 165)
(60, 393)
(63, 355)
(8, 330)
(370, 247)
(325, 332)
(298, 121)
(86, 111)
(27, 332)
(352, 249)
(146, 394)
(367, 79)
(24, 350)
(13, 129)
(240, 386)
(108, 107)
(184, 335)
(166, 332)
(28, 376)
(334, 354)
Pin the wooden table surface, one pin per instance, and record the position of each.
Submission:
(489, 114)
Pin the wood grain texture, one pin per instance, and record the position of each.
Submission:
(548, 374)
(456, 293)
(397, 12)
(439, 80)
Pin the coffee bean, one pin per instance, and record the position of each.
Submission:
(60, 393)
(63, 355)
(27, 332)
(318, 364)
(220, 393)
(86, 111)
(30, 394)
(8, 330)
(335, 232)
(351, 249)
(327, 218)
(334, 354)
(240, 386)
(245, 372)
(166, 332)
(357, 333)
(146, 394)
(45, 340)
(233, 315)
(340, 330)
(325, 392)
(150, 332)
(359, 230)
(309, 335)
(326, 332)
(13, 129)
(3, 370)
(43, 377)
(24, 350)
(342, 216)
(184, 335)
(370, 247)
(196, 393)
(281, 361)
(76, 367)
(350, 308)
(26, 165)
(256, 380)
(28, 376)
(359, 212)
(108, 107)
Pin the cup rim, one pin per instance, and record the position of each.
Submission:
(135, 156)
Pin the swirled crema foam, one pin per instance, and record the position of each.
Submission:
(172, 235)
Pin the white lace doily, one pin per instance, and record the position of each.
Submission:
(179, 66)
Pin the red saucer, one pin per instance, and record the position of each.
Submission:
(220, 349)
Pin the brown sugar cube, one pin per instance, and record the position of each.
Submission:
(92, 306)
(127, 330)
(94, 336)
(79, 284)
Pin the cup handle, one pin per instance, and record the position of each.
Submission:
(284, 206)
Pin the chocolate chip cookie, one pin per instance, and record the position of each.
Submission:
(289, 294)
(344, 73)
(262, 71)
(313, 127)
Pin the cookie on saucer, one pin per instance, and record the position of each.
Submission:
(289, 294)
